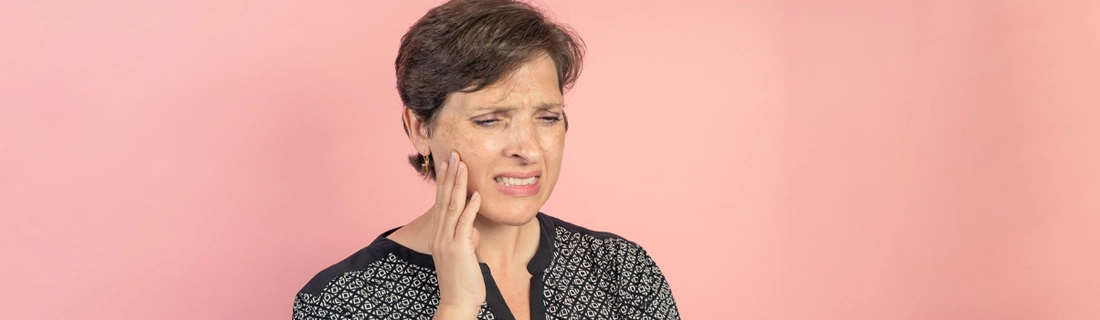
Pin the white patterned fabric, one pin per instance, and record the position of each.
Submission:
(576, 274)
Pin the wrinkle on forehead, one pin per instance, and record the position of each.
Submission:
(526, 75)
(529, 85)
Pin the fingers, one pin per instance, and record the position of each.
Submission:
(454, 217)
(456, 184)
(453, 245)
(465, 228)
(442, 195)
(458, 193)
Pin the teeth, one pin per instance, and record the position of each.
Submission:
(508, 181)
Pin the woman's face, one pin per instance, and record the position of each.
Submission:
(511, 136)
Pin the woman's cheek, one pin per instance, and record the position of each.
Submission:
(554, 142)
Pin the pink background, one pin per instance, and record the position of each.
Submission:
(780, 159)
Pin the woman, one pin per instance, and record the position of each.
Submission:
(482, 85)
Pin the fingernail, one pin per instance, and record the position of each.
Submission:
(453, 156)
(474, 196)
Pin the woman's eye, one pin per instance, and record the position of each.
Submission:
(486, 123)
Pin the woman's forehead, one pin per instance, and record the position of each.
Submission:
(534, 85)
(513, 101)
(507, 108)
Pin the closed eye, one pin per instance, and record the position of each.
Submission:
(550, 120)
(486, 123)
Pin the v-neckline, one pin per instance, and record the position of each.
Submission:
(493, 297)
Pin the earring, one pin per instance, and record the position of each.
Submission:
(424, 166)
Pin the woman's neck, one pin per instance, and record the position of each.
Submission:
(506, 248)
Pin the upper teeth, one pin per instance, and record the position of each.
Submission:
(506, 181)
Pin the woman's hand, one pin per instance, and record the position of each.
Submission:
(452, 243)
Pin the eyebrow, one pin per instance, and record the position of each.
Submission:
(500, 108)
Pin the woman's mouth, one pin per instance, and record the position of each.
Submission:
(508, 182)
(518, 187)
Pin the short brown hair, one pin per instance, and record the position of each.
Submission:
(467, 45)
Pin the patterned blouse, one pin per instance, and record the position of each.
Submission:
(576, 274)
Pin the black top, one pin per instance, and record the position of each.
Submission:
(576, 274)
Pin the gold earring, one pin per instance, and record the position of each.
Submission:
(424, 166)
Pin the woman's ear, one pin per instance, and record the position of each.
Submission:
(416, 130)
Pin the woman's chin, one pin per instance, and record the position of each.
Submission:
(512, 216)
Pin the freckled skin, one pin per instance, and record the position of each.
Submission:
(521, 140)
(513, 126)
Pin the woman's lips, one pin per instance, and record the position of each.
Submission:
(518, 187)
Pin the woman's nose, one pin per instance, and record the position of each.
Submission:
(525, 143)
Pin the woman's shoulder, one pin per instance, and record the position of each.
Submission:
(381, 254)
(565, 228)
(570, 238)
(587, 261)
(358, 261)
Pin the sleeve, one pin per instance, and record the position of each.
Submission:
(644, 290)
(311, 307)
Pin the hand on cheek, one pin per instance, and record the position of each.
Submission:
(454, 240)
